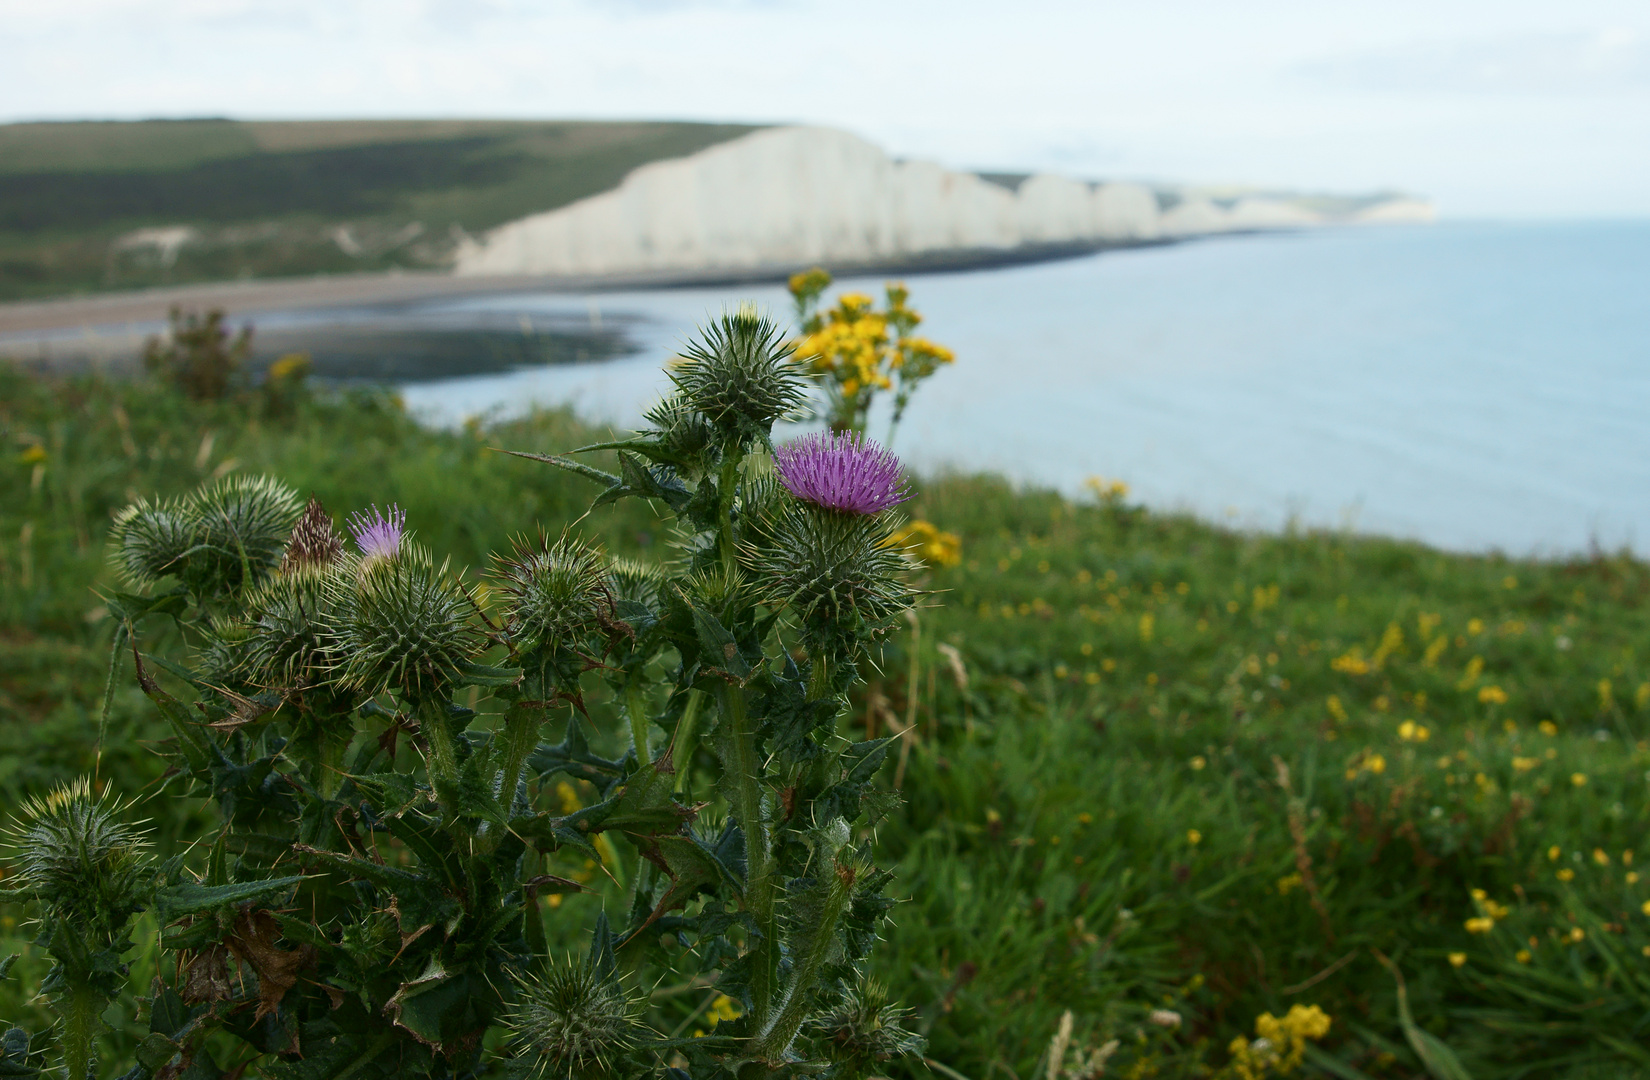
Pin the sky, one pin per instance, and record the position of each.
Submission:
(1493, 108)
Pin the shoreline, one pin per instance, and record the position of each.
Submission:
(49, 325)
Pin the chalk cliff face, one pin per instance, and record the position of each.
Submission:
(793, 196)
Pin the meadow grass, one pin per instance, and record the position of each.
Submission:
(1149, 764)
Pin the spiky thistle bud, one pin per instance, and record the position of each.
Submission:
(150, 541)
(864, 1029)
(558, 593)
(836, 571)
(738, 375)
(242, 524)
(684, 431)
(313, 542)
(403, 624)
(637, 582)
(80, 859)
(573, 1021)
(288, 640)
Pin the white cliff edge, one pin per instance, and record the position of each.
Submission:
(792, 196)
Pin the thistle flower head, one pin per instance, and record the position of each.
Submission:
(836, 571)
(377, 534)
(738, 375)
(313, 542)
(79, 857)
(574, 1021)
(150, 540)
(558, 592)
(844, 472)
(403, 624)
(241, 525)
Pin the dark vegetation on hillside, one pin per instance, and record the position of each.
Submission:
(272, 199)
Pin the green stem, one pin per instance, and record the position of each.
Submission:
(727, 489)
(80, 1024)
(443, 761)
(684, 739)
(747, 809)
(775, 1039)
(636, 706)
(521, 737)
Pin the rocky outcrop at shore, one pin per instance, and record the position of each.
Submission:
(794, 196)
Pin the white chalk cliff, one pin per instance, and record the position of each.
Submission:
(795, 196)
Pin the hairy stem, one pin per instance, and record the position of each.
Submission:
(636, 705)
(80, 1024)
(443, 760)
(684, 738)
(727, 489)
(776, 1036)
(746, 769)
(521, 737)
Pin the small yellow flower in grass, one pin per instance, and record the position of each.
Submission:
(1085, 818)
(1060, 671)
(1479, 925)
(1522, 956)
(1524, 764)
(1479, 895)
(1194, 837)
(1548, 727)
(1406, 731)
(1376, 763)
(1577, 934)
(1554, 852)
(1492, 695)
(1198, 763)
(1632, 877)
(1475, 626)
(1579, 779)
(1646, 907)
(1092, 678)
(1601, 857)
(1457, 959)
(1627, 858)
(1566, 874)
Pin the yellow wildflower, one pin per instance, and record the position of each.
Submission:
(928, 543)
(1522, 956)
(1479, 925)
(1525, 764)
(1554, 852)
(1548, 727)
(1601, 857)
(1492, 695)
(1577, 934)
(1199, 763)
(1566, 874)
(1457, 959)
(1579, 779)
(1194, 837)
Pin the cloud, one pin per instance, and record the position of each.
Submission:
(1607, 62)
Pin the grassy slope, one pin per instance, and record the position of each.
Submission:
(266, 198)
(1130, 678)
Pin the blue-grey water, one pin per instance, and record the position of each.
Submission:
(1474, 386)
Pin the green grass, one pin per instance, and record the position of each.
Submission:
(1094, 815)
(265, 199)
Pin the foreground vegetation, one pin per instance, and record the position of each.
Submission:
(1160, 776)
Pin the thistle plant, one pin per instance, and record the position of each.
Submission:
(392, 744)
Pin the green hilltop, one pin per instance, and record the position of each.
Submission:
(91, 206)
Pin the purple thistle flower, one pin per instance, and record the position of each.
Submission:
(844, 472)
(379, 536)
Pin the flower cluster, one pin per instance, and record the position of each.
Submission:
(859, 351)
(1280, 1043)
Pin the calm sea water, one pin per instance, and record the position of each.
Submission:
(1473, 386)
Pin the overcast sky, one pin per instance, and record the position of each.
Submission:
(1492, 107)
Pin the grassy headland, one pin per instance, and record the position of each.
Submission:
(267, 199)
(1152, 764)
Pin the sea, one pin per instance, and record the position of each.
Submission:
(1475, 386)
